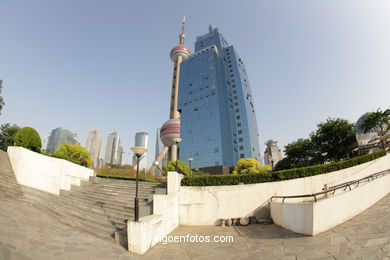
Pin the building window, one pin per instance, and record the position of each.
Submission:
(240, 132)
(238, 117)
(235, 91)
(241, 147)
(231, 75)
(216, 163)
(233, 86)
(235, 97)
(196, 153)
(236, 104)
(216, 150)
(211, 68)
(238, 124)
(196, 109)
(241, 155)
(241, 139)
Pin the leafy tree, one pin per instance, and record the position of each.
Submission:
(1, 98)
(250, 166)
(73, 153)
(171, 166)
(29, 138)
(335, 138)
(379, 119)
(7, 135)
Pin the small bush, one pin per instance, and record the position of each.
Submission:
(29, 138)
(73, 153)
(233, 179)
(171, 166)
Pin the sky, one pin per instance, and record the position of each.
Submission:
(105, 64)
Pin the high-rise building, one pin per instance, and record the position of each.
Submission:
(59, 136)
(141, 140)
(114, 150)
(272, 153)
(45, 142)
(118, 152)
(93, 143)
(218, 120)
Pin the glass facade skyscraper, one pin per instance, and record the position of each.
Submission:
(218, 120)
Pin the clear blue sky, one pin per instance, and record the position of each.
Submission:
(105, 63)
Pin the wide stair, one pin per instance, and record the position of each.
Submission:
(9, 187)
(102, 206)
(99, 206)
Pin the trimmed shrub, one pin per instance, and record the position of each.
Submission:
(233, 179)
(171, 166)
(73, 153)
(249, 166)
(29, 138)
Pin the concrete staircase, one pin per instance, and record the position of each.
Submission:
(99, 206)
(9, 187)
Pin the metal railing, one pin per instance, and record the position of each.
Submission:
(333, 189)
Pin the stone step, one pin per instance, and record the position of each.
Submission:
(117, 194)
(123, 183)
(115, 216)
(10, 191)
(95, 219)
(118, 200)
(79, 223)
(119, 210)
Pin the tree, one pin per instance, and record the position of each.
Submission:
(7, 135)
(379, 120)
(171, 166)
(333, 140)
(73, 153)
(249, 166)
(29, 138)
(1, 98)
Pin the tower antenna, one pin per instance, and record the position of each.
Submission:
(182, 24)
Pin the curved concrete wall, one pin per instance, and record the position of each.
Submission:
(45, 173)
(206, 205)
(311, 218)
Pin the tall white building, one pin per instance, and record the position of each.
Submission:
(93, 144)
(272, 153)
(114, 150)
(141, 139)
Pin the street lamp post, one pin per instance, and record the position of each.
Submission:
(139, 151)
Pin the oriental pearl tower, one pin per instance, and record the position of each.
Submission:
(170, 130)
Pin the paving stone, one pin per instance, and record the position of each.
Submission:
(376, 241)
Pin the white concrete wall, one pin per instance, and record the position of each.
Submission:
(45, 173)
(311, 218)
(146, 232)
(206, 205)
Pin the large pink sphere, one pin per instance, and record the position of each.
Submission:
(180, 50)
(170, 130)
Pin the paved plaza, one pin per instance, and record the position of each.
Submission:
(28, 233)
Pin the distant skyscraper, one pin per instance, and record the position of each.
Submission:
(218, 120)
(109, 157)
(118, 152)
(141, 139)
(45, 142)
(93, 144)
(59, 136)
(272, 153)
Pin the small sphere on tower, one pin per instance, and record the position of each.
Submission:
(180, 50)
(170, 131)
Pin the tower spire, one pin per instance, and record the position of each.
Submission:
(182, 35)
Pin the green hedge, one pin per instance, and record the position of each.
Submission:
(127, 178)
(233, 179)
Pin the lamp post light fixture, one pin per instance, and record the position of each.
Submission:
(177, 140)
(139, 151)
(190, 161)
